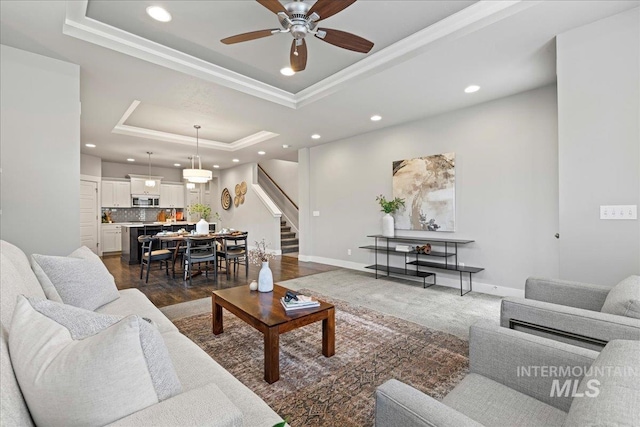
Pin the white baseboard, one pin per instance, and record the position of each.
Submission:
(485, 288)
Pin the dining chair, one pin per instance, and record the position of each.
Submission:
(234, 248)
(200, 250)
(150, 255)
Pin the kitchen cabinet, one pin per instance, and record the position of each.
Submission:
(171, 196)
(116, 194)
(111, 238)
(138, 187)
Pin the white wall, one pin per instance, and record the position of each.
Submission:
(285, 174)
(40, 146)
(252, 216)
(506, 188)
(121, 170)
(90, 165)
(599, 147)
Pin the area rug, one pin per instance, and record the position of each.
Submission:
(371, 348)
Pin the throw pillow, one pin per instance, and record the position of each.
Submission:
(81, 279)
(624, 298)
(76, 367)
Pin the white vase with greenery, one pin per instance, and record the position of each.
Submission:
(389, 207)
(260, 256)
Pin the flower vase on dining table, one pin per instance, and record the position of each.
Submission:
(265, 278)
(202, 227)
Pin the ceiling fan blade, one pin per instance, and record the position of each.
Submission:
(273, 5)
(344, 40)
(327, 8)
(299, 61)
(248, 36)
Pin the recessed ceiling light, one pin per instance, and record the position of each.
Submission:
(315, 136)
(131, 160)
(158, 13)
(472, 88)
(216, 166)
(286, 71)
(176, 164)
(285, 145)
(376, 118)
(90, 145)
(262, 153)
(235, 160)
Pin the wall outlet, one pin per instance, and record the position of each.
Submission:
(619, 212)
(349, 252)
(316, 213)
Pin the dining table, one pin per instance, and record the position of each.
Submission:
(177, 239)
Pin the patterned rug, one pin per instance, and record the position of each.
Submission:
(371, 348)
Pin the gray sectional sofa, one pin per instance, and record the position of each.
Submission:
(210, 395)
(582, 314)
(512, 383)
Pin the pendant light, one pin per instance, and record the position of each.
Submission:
(197, 175)
(150, 182)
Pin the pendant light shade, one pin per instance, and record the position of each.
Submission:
(150, 182)
(198, 175)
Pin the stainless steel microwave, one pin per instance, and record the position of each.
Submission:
(145, 201)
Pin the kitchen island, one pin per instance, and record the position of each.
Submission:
(131, 248)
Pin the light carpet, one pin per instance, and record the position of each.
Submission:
(314, 390)
(438, 307)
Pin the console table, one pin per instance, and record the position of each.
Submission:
(447, 249)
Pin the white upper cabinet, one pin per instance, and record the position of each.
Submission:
(138, 187)
(171, 196)
(116, 194)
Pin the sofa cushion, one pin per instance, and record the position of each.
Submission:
(196, 369)
(610, 390)
(493, 404)
(624, 298)
(132, 301)
(81, 279)
(99, 368)
(17, 279)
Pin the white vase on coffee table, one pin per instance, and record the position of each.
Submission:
(265, 278)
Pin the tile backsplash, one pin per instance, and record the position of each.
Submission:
(136, 214)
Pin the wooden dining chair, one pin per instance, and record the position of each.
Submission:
(234, 249)
(149, 255)
(200, 250)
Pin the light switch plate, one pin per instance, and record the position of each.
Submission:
(316, 213)
(619, 212)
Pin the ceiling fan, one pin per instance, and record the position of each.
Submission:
(299, 19)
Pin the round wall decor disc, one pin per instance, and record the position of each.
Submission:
(242, 199)
(236, 201)
(238, 190)
(225, 200)
(243, 188)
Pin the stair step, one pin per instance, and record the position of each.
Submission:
(287, 242)
(287, 234)
(282, 228)
(283, 223)
(289, 249)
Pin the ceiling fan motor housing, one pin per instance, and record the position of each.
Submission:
(298, 15)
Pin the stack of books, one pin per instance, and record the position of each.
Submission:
(302, 302)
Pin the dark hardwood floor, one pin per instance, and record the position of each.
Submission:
(163, 290)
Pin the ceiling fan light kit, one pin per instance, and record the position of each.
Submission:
(300, 19)
(198, 175)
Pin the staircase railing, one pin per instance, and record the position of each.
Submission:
(288, 207)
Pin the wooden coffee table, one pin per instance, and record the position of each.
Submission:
(263, 311)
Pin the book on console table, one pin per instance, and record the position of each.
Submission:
(303, 302)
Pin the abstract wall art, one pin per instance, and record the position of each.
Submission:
(428, 186)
